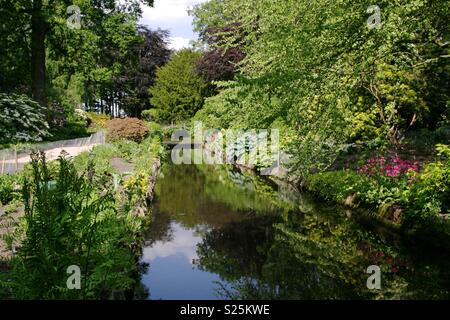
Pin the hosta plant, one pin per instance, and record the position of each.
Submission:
(21, 119)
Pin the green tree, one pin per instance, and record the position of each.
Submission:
(318, 72)
(15, 49)
(210, 14)
(92, 64)
(44, 20)
(179, 91)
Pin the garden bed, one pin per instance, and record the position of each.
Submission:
(112, 185)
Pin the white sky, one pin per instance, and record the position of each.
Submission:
(172, 15)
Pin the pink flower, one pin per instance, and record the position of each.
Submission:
(392, 166)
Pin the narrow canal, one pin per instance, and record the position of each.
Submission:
(218, 233)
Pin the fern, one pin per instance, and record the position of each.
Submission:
(71, 220)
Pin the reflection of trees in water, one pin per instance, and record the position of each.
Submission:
(240, 180)
(237, 249)
(309, 257)
(316, 254)
(141, 292)
(259, 264)
(160, 228)
(242, 190)
(205, 195)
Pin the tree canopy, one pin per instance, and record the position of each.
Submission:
(322, 74)
(179, 91)
(46, 57)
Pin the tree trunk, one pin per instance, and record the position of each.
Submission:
(38, 33)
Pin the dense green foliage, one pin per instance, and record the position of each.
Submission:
(362, 107)
(14, 63)
(179, 91)
(219, 64)
(132, 186)
(429, 195)
(101, 63)
(85, 213)
(8, 188)
(71, 219)
(21, 119)
(141, 75)
(106, 63)
(318, 72)
(97, 121)
(421, 195)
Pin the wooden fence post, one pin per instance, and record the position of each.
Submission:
(3, 164)
(16, 157)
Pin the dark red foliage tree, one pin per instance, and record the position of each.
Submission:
(219, 64)
(140, 75)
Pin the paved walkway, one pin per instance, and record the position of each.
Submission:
(72, 147)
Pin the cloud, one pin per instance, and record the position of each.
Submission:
(171, 15)
(184, 242)
(169, 9)
(177, 43)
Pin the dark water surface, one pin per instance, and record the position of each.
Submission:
(220, 234)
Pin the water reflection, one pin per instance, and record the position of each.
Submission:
(182, 242)
(172, 273)
(220, 234)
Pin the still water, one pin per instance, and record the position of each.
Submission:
(218, 233)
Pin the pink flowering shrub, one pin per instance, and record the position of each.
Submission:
(390, 166)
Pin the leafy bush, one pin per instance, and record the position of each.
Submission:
(72, 220)
(100, 156)
(429, 195)
(79, 115)
(150, 115)
(422, 195)
(8, 183)
(338, 185)
(97, 120)
(423, 141)
(21, 119)
(150, 149)
(155, 129)
(58, 115)
(71, 130)
(442, 134)
(219, 64)
(128, 128)
(136, 187)
(127, 149)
